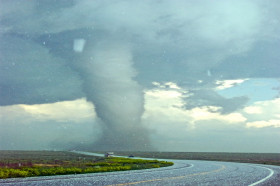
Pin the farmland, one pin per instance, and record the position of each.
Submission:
(47, 163)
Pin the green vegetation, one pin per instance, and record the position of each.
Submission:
(45, 163)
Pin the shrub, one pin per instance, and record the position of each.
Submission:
(155, 166)
(13, 173)
(3, 174)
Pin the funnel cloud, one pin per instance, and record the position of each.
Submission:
(107, 69)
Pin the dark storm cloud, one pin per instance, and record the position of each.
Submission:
(30, 75)
(171, 40)
(261, 61)
(212, 98)
(178, 41)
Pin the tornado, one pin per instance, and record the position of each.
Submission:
(118, 99)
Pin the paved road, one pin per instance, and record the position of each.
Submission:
(184, 172)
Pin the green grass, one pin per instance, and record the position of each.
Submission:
(47, 163)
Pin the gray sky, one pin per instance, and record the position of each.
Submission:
(149, 75)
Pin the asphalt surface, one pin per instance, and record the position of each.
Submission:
(184, 172)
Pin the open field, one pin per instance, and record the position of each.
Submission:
(259, 158)
(45, 163)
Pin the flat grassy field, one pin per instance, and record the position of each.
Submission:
(45, 163)
(259, 158)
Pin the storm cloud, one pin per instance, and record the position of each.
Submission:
(110, 52)
(194, 37)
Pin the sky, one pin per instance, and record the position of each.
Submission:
(186, 76)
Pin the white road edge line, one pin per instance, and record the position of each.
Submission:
(191, 165)
(262, 180)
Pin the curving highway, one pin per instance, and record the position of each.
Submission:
(184, 172)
